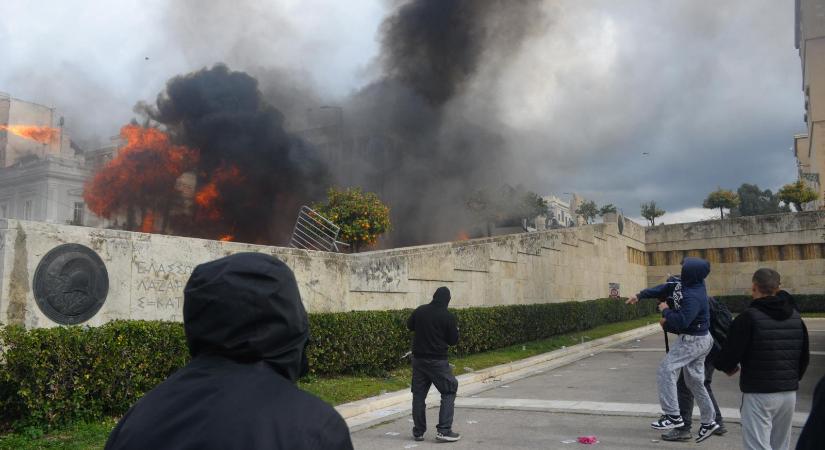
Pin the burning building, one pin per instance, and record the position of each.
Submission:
(42, 172)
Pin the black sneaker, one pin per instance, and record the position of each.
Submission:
(677, 434)
(447, 436)
(667, 422)
(706, 431)
(721, 431)
(418, 437)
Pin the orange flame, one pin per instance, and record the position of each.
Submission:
(144, 173)
(43, 135)
(207, 197)
(227, 238)
(148, 222)
(462, 236)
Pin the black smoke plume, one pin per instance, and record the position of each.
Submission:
(435, 144)
(222, 114)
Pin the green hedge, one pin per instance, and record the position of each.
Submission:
(53, 376)
(807, 303)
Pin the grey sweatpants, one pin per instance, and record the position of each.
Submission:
(766, 420)
(686, 352)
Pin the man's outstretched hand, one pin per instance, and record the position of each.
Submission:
(632, 300)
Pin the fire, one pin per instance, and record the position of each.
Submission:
(208, 198)
(148, 222)
(43, 135)
(141, 179)
(462, 236)
(227, 238)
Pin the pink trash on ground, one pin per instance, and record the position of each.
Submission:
(588, 440)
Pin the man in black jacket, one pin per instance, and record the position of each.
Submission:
(435, 330)
(769, 341)
(247, 331)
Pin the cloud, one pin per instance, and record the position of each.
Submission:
(711, 90)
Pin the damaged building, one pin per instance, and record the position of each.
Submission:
(42, 172)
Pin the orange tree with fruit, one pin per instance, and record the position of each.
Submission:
(362, 216)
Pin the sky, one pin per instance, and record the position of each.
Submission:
(622, 102)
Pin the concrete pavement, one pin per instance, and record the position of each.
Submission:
(611, 395)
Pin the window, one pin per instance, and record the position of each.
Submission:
(27, 210)
(4, 211)
(77, 218)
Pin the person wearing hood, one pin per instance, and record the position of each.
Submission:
(769, 342)
(247, 332)
(671, 293)
(435, 329)
(687, 354)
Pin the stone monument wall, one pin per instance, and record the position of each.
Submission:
(792, 244)
(146, 272)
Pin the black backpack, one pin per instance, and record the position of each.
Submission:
(720, 320)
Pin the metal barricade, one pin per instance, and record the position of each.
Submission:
(315, 232)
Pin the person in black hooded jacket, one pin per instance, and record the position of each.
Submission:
(769, 341)
(247, 332)
(435, 330)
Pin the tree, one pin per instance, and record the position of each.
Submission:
(754, 201)
(797, 194)
(721, 198)
(608, 209)
(588, 210)
(650, 212)
(533, 205)
(141, 181)
(361, 215)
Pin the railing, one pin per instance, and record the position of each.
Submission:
(315, 232)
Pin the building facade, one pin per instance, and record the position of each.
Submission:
(559, 213)
(42, 174)
(809, 148)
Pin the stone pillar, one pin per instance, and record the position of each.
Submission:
(658, 258)
(790, 253)
(674, 257)
(713, 255)
(749, 254)
(730, 255)
(811, 251)
(770, 253)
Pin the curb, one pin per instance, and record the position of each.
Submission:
(370, 411)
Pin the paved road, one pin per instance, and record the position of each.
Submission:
(611, 395)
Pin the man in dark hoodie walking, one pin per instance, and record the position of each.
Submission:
(769, 341)
(687, 354)
(435, 330)
(247, 332)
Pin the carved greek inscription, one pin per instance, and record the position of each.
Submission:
(158, 286)
(160, 303)
(159, 269)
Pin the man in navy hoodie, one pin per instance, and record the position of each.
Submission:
(687, 354)
(671, 292)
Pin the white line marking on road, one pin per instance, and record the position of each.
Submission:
(590, 407)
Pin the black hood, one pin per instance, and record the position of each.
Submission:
(441, 296)
(778, 307)
(694, 271)
(246, 307)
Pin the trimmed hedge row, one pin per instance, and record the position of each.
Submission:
(53, 376)
(807, 303)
